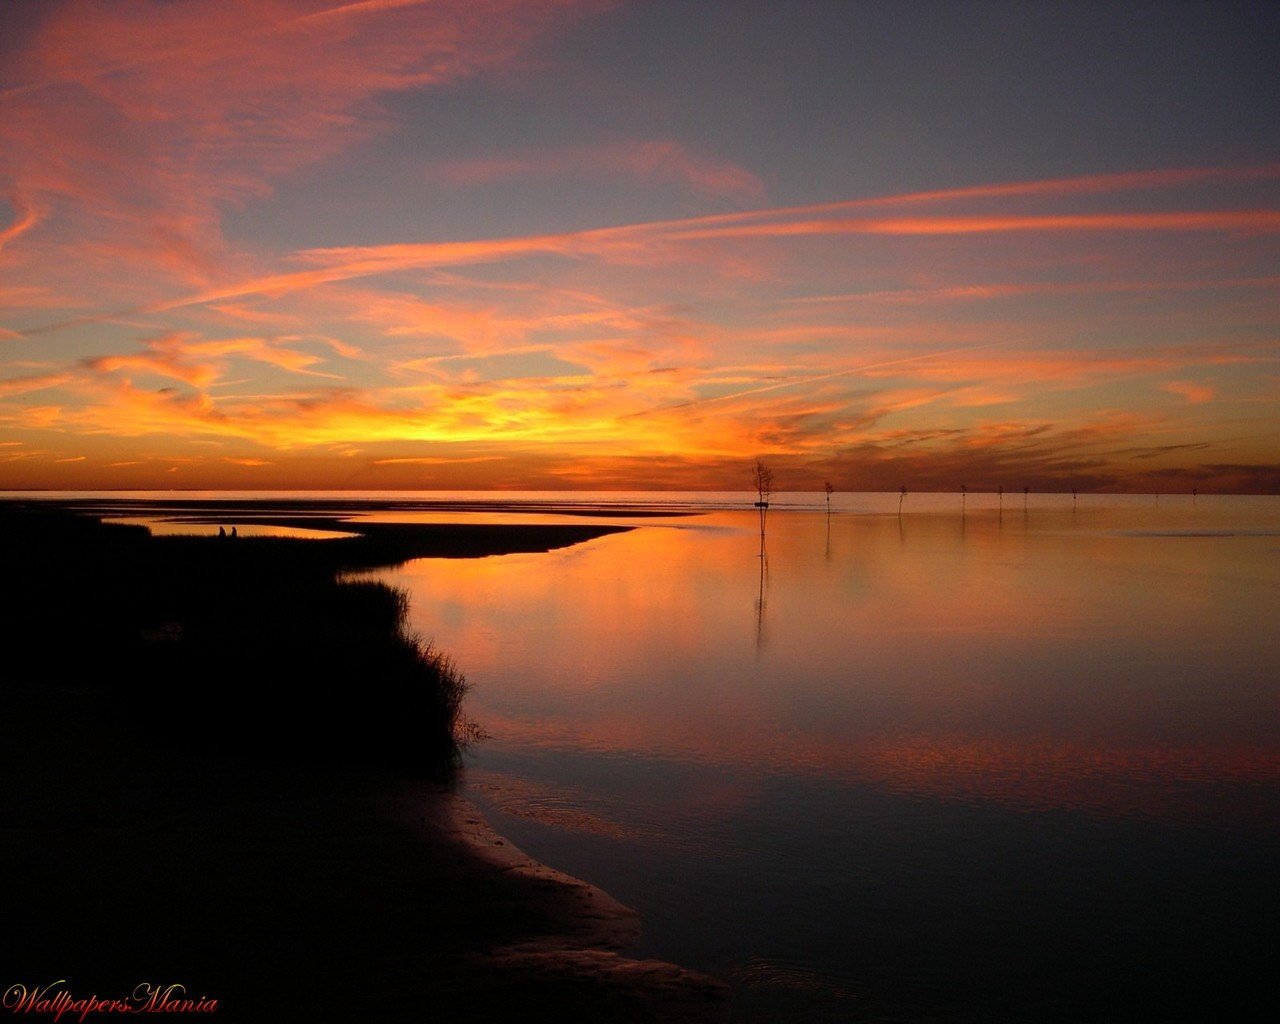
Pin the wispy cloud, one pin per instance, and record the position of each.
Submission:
(200, 362)
(438, 460)
(632, 241)
(660, 162)
(1190, 390)
(1044, 329)
(32, 382)
(136, 131)
(27, 216)
(1267, 221)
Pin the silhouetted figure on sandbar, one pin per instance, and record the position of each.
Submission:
(234, 534)
(222, 531)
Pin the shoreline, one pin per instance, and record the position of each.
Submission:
(291, 881)
(592, 928)
(295, 892)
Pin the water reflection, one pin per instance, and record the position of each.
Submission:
(946, 731)
(763, 557)
(1084, 640)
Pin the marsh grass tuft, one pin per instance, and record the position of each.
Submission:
(256, 645)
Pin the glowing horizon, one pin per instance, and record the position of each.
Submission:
(499, 244)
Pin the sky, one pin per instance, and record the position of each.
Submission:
(451, 244)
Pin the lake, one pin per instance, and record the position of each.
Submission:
(1015, 764)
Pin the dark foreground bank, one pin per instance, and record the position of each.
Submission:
(249, 812)
(255, 643)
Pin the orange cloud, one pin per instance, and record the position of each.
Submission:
(670, 344)
(200, 363)
(1227, 220)
(166, 357)
(1192, 392)
(32, 382)
(436, 460)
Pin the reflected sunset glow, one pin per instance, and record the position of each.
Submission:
(892, 742)
(1062, 662)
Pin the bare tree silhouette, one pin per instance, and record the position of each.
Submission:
(762, 481)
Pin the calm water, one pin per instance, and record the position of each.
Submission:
(1018, 767)
(1005, 767)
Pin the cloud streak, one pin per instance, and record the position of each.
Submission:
(349, 263)
(137, 131)
(283, 231)
(658, 161)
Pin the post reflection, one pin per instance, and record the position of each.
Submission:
(950, 738)
(1025, 646)
(761, 600)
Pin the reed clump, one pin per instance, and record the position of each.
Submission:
(255, 644)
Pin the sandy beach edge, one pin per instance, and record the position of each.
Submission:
(583, 930)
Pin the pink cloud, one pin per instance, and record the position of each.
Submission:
(1098, 184)
(664, 246)
(27, 216)
(352, 262)
(1001, 290)
(662, 161)
(137, 124)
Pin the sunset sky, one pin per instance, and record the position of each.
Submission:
(491, 243)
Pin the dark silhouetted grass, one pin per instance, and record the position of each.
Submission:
(254, 645)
